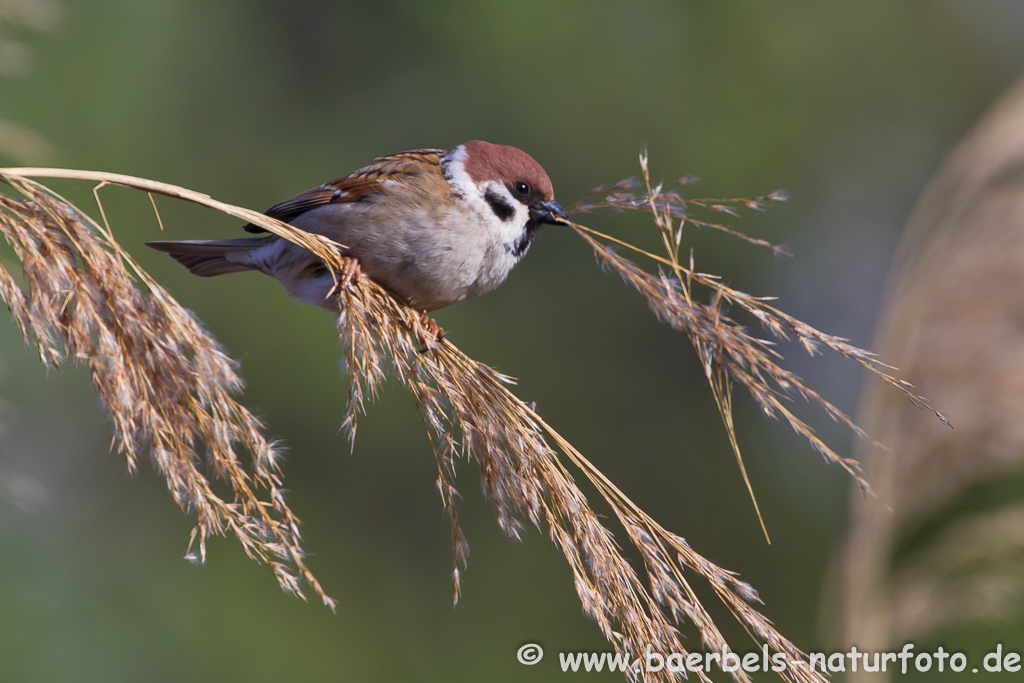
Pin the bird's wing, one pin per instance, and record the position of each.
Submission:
(356, 186)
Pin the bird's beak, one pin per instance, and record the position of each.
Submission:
(548, 212)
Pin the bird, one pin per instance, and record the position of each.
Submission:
(432, 226)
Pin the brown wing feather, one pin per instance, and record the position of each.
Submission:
(356, 186)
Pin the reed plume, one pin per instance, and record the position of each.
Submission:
(166, 385)
(729, 352)
(939, 554)
(168, 388)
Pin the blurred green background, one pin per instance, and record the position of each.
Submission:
(851, 106)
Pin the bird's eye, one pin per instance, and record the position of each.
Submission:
(521, 188)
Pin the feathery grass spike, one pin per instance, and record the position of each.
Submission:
(169, 388)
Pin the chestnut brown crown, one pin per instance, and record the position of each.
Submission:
(509, 165)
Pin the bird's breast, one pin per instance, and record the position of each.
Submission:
(430, 256)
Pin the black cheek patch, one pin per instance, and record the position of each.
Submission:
(501, 209)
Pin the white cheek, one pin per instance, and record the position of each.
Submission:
(511, 229)
(521, 217)
(507, 232)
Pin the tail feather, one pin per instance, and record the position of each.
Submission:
(207, 258)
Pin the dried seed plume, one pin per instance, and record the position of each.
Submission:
(168, 388)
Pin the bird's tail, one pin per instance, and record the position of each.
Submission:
(207, 258)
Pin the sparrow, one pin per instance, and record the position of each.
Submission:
(432, 226)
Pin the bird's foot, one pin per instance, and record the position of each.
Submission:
(349, 274)
(350, 271)
(435, 334)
